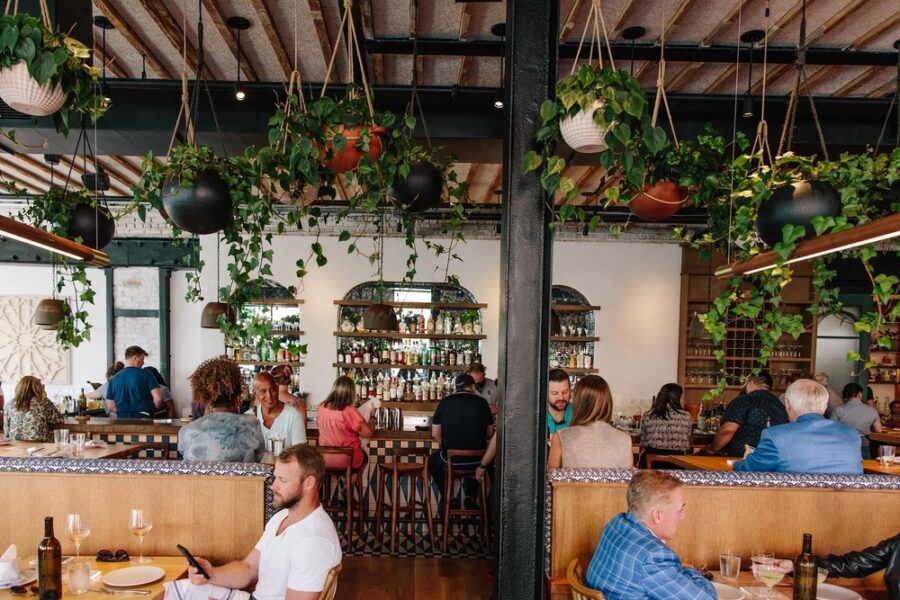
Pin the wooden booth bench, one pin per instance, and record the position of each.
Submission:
(217, 510)
(740, 512)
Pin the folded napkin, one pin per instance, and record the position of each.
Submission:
(95, 444)
(183, 589)
(9, 565)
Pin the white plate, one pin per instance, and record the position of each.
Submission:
(826, 591)
(132, 576)
(726, 592)
(5, 441)
(28, 576)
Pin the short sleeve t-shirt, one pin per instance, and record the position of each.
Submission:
(340, 429)
(753, 412)
(553, 426)
(464, 418)
(286, 425)
(299, 559)
(130, 388)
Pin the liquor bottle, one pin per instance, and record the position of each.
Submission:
(82, 403)
(49, 564)
(805, 572)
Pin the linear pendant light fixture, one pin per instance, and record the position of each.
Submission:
(868, 233)
(39, 238)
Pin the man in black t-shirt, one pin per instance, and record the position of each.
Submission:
(462, 421)
(746, 416)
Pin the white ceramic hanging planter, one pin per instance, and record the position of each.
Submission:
(21, 92)
(581, 133)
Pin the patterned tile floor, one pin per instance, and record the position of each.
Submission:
(464, 541)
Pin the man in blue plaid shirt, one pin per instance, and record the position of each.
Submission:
(632, 560)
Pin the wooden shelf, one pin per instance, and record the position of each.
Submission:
(412, 406)
(410, 336)
(380, 366)
(706, 386)
(884, 367)
(432, 305)
(579, 371)
(573, 338)
(574, 307)
(773, 359)
(276, 302)
(268, 363)
(286, 332)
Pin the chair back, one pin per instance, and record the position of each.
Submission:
(575, 577)
(330, 589)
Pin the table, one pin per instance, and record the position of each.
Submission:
(892, 437)
(746, 579)
(722, 463)
(174, 566)
(18, 449)
(873, 467)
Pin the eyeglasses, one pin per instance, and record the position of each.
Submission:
(108, 556)
(21, 590)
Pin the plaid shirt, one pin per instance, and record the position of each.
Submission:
(631, 563)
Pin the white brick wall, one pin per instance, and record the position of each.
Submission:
(136, 287)
(138, 331)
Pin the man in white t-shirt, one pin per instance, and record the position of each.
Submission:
(299, 545)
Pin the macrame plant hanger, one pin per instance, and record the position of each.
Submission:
(414, 102)
(761, 141)
(354, 55)
(595, 23)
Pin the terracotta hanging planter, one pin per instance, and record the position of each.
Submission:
(20, 90)
(658, 201)
(204, 207)
(348, 158)
(95, 226)
(49, 313)
(419, 191)
(796, 204)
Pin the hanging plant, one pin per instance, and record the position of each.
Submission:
(44, 73)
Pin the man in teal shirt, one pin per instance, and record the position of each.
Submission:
(559, 408)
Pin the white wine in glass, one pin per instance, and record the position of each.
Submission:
(76, 531)
(139, 526)
(769, 573)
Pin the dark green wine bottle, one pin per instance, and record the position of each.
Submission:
(49, 564)
(806, 572)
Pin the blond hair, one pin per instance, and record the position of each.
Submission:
(29, 388)
(591, 401)
(648, 489)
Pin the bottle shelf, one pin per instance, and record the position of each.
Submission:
(574, 338)
(382, 366)
(579, 370)
(410, 336)
(574, 307)
(707, 386)
(268, 363)
(432, 305)
(286, 332)
(275, 302)
(773, 359)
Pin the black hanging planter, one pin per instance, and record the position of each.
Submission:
(202, 208)
(796, 204)
(49, 313)
(421, 190)
(95, 226)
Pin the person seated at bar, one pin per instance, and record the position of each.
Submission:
(461, 421)
(133, 393)
(883, 555)
(484, 387)
(633, 559)
(559, 407)
(341, 424)
(747, 416)
(892, 419)
(167, 410)
(30, 415)
(101, 393)
(222, 434)
(590, 442)
(810, 443)
(862, 417)
(276, 419)
(666, 427)
(283, 375)
(299, 545)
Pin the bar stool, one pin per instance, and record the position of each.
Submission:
(345, 473)
(460, 473)
(414, 470)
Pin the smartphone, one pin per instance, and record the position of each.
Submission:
(193, 561)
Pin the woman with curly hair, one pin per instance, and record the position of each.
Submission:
(222, 434)
(30, 415)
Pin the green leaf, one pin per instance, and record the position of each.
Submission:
(45, 68)
(654, 139)
(9, 35)
(344, 236)
(549, 110)
(532, 161)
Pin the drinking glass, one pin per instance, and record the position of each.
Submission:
(79, 575)
(77, 445)
(77, 531)
(61, 439)
(885, 454)
(729, 565)
(140, 526)
(769, 573)
(277, 445)
(821, 576)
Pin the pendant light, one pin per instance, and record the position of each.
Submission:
(380, 316)
(499, 29)
(209, 318)
(239, 24)
(632, 34)
(751, 38)
(104, 24)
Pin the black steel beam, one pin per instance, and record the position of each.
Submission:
(165, 329)
(674, 52)
(526, 250)
(110, 317)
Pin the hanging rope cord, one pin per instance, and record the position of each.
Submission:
(414, 102)
(295, 85)
(594, 22)
(351, 42)
(45, 12)
(894, 104)
(734, 136)
(761, 142)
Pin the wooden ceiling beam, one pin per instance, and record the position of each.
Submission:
(122, 26)
(265, 19)
(28, 186)
(725, 21)
(111, 62)
(621, 22)
(218, 19)
(857, 81)
(837, 18)
(315, 9)
(365, 12)
(723, 77)
(889, 87)
(29, 172)
(164, 20)
(491, 196)
(470, 177)
(682, 76)
(465, 18)
(128, 166)
(123, 182)
(76, 166)
(679, 14)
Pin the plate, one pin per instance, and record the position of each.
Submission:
(28, 576)
(95, 444)
(826, 591)
(5, 441)
(726, 592)
(132, 576)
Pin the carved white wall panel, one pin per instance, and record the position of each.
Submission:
(27, 350)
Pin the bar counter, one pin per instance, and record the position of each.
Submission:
(160, 436)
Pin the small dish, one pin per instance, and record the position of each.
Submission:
(727, 592)
(133, 576)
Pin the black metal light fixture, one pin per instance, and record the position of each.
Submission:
(239, 24)
(632, 34)
(104, 24)
(751, 38)
(380, 316)
(499, 29)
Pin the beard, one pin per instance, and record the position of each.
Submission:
(560, 405)
(282, 502)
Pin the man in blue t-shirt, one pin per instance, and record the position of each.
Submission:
(559, 408)
(134, 392)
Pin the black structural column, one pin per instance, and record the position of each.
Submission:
(525, 265)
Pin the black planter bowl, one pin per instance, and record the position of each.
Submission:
(202, 208)
(796, 204)
(95, 226)
(419, 191)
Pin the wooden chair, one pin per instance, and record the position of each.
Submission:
(346, 475)
(575, 577)
(458, 473)
(330, 589)
(413, 470)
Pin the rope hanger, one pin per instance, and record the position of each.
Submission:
(595, 23)
(351, 42)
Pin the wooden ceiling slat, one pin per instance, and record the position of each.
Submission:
(857, 81)
(679, 14)
(465, 18)
(29, 171)
(76, 167)
(16, 178)
(265, 19)
(682, 76)
(116, 179)
(568, 23)
(218, 19)
(365, 11)
(837, 18)
(470, 178)
(315, 9)
(160, 15)
(725, 21)
(128, 166)
(111, 62)
(106, 7)
(726, 75)
(889, 87)
(490, 195)
(622, 21)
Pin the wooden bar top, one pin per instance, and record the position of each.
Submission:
(19, 449)
(113, 425)
(891, 437)
(384, 434)
(722, 463)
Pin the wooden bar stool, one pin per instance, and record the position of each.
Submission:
(459, 473)
(345, 473)
(414, 470)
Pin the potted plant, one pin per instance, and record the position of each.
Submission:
(46, 73)
(468, 319)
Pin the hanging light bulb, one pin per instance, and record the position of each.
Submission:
(498, 99)
(239, 24)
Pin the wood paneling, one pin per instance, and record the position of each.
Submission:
(414, 579)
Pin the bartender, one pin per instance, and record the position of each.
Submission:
(133, 392)
(484, 387)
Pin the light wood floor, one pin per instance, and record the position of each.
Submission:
(414, 579)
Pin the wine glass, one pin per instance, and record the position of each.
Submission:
(76, 531)
(769, 572)
(140, 526)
